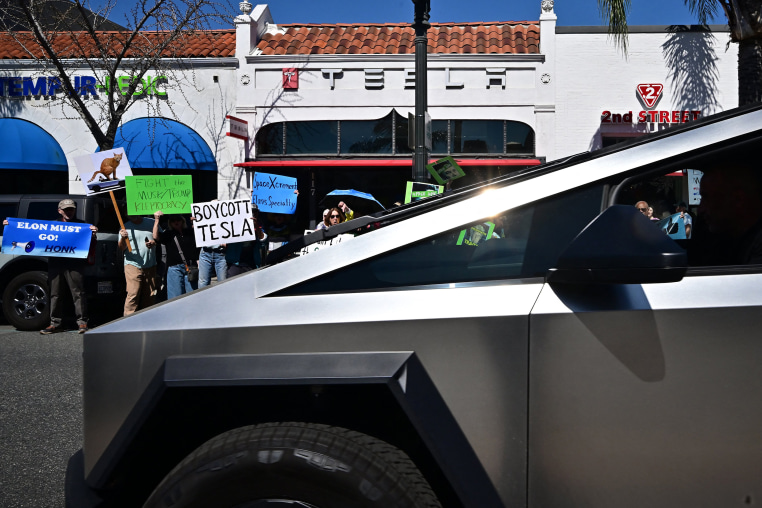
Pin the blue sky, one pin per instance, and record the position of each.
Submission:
(569, 12)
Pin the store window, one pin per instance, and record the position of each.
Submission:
(367, 136)
(269, 140)
(476, 136)
(519, 138)
(389, 136)
(312, 137)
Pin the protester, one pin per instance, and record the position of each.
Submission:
(245, 256)
(335, 216)
(69, 271)
(324, 224)
(139, 263)
(182, 254)
(687, 220)
(211, 260)
(278, 227)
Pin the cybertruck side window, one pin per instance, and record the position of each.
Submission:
(520, 243)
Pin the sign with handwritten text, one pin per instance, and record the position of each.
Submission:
(168, 193)
(274, 193)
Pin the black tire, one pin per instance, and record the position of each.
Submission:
(294, 464)
(25, 301)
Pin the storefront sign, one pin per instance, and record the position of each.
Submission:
(291, 78)
(149, 194)
(237, 128)
(49, 86)
(218, 222)
(274, 193)
(674, 116)
(46, 238)
(649, 94)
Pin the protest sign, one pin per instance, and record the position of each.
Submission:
(46, 238)
(314, 247)
(103, 171)
(445, 170)
(419, 190)
(274, 193)
(168, 193)
(218, 222)
(476, 234)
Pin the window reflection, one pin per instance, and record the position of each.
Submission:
(367, 136)
(269, 139)
(477, 136)
(389, 135)
(312, 137)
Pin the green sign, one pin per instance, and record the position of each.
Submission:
(148, 85)
(419, 190)
(148, 194)
(445, 170)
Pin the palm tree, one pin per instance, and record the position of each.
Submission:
(745, 22)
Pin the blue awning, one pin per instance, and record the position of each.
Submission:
(29, 146)
(161, 143)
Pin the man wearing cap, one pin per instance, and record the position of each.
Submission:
(69, 270)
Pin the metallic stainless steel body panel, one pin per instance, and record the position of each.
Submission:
(475, 352)
(647, 395)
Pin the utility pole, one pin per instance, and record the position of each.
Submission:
(421, 25)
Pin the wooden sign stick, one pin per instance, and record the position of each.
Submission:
(118, 216)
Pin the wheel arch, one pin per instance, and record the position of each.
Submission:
(19, 265)
(385, 395)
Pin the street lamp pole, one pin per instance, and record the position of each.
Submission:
(421, 25)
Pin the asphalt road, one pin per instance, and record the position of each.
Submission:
(40, 415)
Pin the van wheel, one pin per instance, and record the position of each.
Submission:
(299, 465)
(25, 301)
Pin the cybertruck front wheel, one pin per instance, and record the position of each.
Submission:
(296, 465)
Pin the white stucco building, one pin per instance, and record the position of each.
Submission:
(329, 104)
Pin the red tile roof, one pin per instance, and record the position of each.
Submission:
(209, 43)
(514, 37)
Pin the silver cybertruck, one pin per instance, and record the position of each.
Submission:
(535, 340)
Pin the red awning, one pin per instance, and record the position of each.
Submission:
(273, 163)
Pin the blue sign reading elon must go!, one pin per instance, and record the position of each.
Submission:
(85, 85)
(46, 238)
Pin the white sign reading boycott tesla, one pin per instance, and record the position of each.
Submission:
(218, 222)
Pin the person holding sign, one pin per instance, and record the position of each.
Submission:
(139, 263)
(69, 271)
(182, 255)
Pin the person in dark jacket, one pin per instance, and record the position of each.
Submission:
(67, 271)
(179, 242)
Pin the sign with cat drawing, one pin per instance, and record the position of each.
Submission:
(103, 171)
